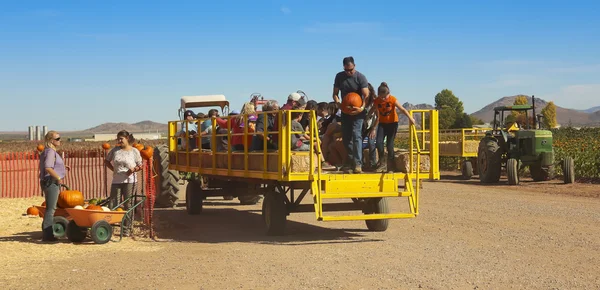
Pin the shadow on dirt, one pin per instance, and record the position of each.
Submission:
(243, 224)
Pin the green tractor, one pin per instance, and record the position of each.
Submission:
(514, 148)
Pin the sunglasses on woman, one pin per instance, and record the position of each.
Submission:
(57, 139)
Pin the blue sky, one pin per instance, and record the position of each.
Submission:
(72, 65)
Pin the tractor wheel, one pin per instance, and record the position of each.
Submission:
(466, 169)
(377, 205)
(167, 182)
(489, 161)
(512, 171)
(193, 198)
(249, 199)
(541, 173)
(275, 213)
(569, 170)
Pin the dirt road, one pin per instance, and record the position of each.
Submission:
(535, 236)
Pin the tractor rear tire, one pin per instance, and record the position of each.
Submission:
(193, 198)
(512, 171)
(275, 213)
(466, 169)
(569, 170)
(374, 206)
(489, 161)
(167, 182)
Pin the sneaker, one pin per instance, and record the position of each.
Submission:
(357, 169)
(326, 166)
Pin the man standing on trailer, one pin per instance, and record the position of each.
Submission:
(348, 81)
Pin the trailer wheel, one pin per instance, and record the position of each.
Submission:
(75, 233)
(512, 171)
(377, 205)
(59, 226)
(569, 170)
(193, 198)
(467, 169)
(275, 213)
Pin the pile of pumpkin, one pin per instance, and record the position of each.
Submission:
(73, 199)
(145, 151)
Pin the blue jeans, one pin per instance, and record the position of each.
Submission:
(388, 131)
(372, 151)
(352, 138)
(51, 192)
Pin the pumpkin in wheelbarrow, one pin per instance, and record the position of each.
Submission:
(70, 198)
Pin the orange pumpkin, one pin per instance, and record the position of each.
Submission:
(105, 146)
(33, 211)
(147, 152)
(70, 198)
(40, 147)
(138, 146)
(94, 207)
(119, 209)
(349, 101)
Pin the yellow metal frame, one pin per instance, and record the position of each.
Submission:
(462, 135)
(323, 185)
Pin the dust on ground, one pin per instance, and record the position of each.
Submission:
(535, 236)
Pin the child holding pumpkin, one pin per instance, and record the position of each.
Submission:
(124, 161)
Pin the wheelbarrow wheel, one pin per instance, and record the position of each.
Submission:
(75, 233)
(59, 226)
(101, 232)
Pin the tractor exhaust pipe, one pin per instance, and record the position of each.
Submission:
(534, 115)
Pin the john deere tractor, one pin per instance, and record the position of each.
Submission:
(513, 147)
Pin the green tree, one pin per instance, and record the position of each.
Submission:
(450, 107)
(463, 122)
(476, 121)
(518, 116)
(549, 113)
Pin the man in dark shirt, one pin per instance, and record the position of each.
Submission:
(348, 81)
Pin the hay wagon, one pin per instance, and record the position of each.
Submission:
(462, 143)
(286, 177)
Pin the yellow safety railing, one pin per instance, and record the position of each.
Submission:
(218, 162)
(426, 133)
(461, 142)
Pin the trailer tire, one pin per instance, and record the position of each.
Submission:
(274, 213)
(377, 205)
(193, 198)
(167, 182)
(467, 169)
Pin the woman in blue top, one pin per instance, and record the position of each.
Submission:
(52, 173)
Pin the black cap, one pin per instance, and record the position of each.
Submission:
(348, 60)
(189, 113)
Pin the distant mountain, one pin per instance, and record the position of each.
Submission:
(563, 116)
(402, 120)
(592, 110)
(139, 127)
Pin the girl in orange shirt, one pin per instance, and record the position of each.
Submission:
(386, 125)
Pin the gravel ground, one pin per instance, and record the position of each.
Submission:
(467, 236)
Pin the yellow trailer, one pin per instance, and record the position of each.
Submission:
(462, 143)
(284, 177)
